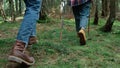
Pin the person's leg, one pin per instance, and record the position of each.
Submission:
(84, 14)
(77, 17)
(81, 14)
(27, 28)
(33, 38)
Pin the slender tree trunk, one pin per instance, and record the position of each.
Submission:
(2, 13)
(43, 12)
(96, 18)
(20, 7)
(12, 10)
(111, 19)
(16, 7)
(105, 9)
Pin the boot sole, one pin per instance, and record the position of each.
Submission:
(19, 60)
(82, 39)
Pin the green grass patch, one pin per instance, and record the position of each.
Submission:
(101, 51)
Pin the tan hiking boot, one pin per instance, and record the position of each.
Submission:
(32, 40)
(82, 37)
(18, 55)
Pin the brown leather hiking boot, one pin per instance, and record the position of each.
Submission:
(32, 40)
(82, 37)
(18, 55)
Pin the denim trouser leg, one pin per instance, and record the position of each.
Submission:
(28, 25)
(81, 14)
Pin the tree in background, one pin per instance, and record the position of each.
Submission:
(96, 16)
(118, 10)
(21, 7)
(2, 13)
(108, 26)
(12, 10)
(50, 8)
(44, 11)
(105, 8)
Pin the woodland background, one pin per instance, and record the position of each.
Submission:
(55, 51)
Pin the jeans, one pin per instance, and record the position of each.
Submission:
(81, 14)
(28, 25)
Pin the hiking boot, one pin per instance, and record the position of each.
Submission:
(32, 40)
(82, 37)
(18, 55)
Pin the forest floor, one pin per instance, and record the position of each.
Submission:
(101, 51)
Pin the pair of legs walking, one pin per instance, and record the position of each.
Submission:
(27, 33)
(81, 14)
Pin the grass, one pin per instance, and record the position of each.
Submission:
(102, 51)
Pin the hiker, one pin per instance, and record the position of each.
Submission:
(27, 33)
(81, 11)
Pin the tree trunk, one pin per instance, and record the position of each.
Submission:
(12, 10)
(20, 7)
(111, 19)
(16, 7)
(105, 10)
(43, 12)
(96, 18)
(2, 13)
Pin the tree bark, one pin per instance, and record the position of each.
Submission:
(96, 18)
(12, 10)
(105, 8)
(111, 19)
(20, 7)
(43, 12)
(2, 13)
